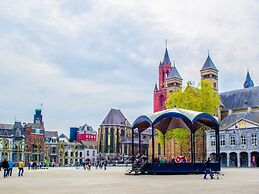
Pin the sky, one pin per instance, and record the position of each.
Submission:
(80, 58)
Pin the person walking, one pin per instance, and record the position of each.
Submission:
(208, 169)
(20, 166)
(10, 169)
(105, 164)
(5, 166)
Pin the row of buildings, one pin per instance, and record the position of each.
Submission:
(238, 114)
(31, 142)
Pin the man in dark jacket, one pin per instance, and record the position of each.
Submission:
(5, 166)
(208, 169)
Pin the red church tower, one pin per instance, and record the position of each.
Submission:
(165, 68)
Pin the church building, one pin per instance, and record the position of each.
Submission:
(170, 80)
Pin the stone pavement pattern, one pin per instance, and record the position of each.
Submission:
(71, 180)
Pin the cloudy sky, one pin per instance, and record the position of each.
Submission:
(82, 57)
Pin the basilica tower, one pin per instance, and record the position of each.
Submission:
(160, 96)
(210, 72)
(174, 81)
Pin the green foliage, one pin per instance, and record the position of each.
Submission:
(203, 99)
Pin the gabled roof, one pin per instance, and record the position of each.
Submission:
(174, 73)
(49, 134)
(87, 128)
(6, 126)
(35, 125)
(235, 117)
(63, 136)
(240, 99)
(209, 64)
(248, 82)
(115, 117)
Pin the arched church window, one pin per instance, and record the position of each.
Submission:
(122, 133)
(111, 140)
(106, 140)
(163, 76)
(161, 100)
(18, 133)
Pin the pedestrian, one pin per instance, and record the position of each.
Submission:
(10, 169)
(29, 165)
(208, 169)
(105, 164)
(20, 166)
(5, 166)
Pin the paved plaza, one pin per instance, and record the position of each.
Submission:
(71, 180)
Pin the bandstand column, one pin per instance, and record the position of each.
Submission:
(153, 143)
(164, 146)
(139, 143)
(217, 142)
(192, 146)
(132, 145)
(249, 159)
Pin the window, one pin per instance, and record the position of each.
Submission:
(232, 140)
(212, 141)
(243, 140)
(93, 153)
(254, 139)
(159, 149)
(222, 140)
(81, 154)
(87, 153)
(71, 154)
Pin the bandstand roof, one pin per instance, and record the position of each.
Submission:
(175, 118)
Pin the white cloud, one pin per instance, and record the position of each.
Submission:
(80, 58)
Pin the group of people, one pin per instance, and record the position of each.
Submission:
(34, 165)
(166, 160)
(99, 164)
(8, 166)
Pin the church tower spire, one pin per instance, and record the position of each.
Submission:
(210, 72)
(248, 82)
(174, 81)
(166, 59)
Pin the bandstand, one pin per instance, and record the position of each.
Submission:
(170, 119)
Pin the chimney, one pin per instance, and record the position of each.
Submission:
(230, 112)
(249, 109)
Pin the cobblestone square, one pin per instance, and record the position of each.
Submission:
(71, 180)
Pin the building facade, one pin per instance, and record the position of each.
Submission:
(12, 142)
(52, 147)
(86, 133)
(239, 127)
(114, 128)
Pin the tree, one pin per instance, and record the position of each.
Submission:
(203, 99)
